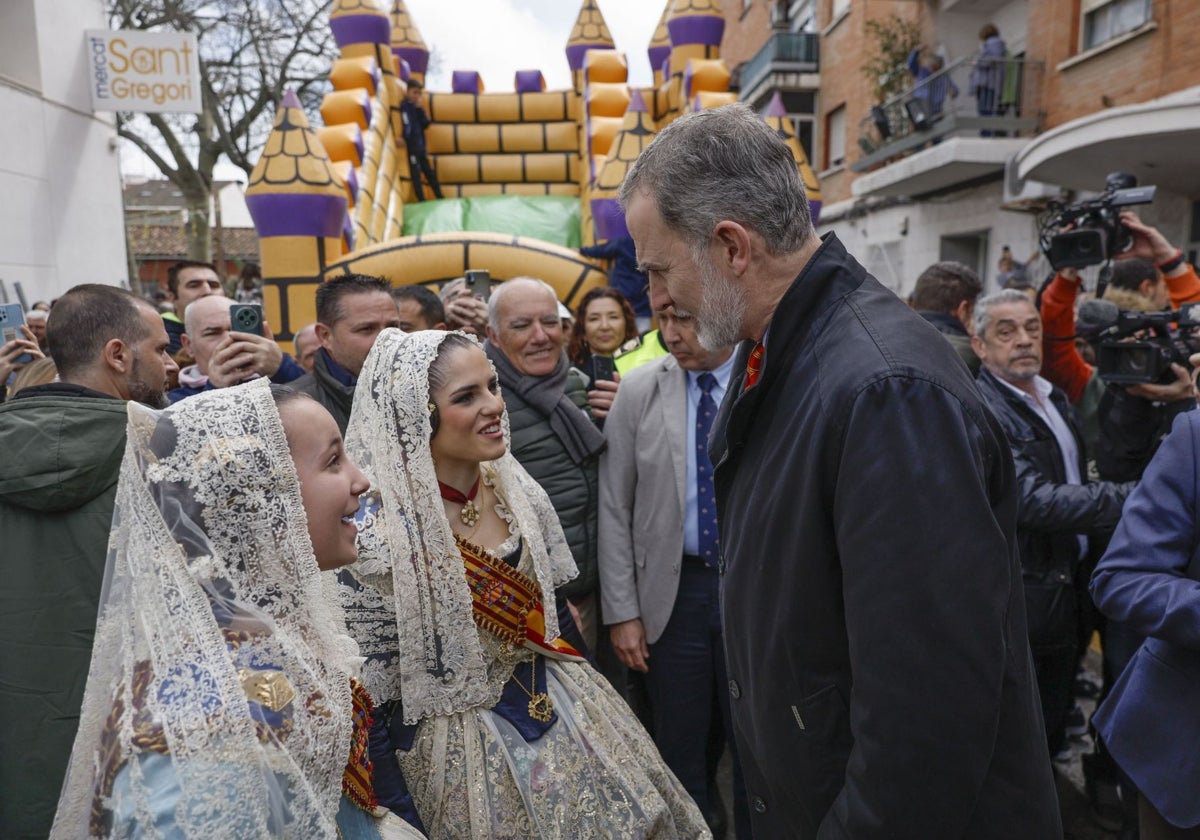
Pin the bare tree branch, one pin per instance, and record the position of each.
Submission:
(250, 51)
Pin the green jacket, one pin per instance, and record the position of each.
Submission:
(573, 488)
(62, 457)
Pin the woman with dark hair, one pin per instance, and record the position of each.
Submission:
(987, 76)
(501, 727)
(604, 321)
(221, 699)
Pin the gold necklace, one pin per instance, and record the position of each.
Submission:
(540, 708)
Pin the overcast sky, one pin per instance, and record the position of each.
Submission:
(499, 37)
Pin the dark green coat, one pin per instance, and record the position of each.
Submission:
(573, 488)
(62, 457)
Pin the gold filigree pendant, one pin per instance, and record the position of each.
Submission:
(540, 707)
(469, 514)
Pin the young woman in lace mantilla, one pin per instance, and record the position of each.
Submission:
(220, 702)
(501, 727)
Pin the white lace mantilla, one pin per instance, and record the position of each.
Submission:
(407, 601)
(217, 702)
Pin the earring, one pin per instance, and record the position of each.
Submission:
(432, 408)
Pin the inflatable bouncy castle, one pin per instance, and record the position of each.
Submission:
(528, 175)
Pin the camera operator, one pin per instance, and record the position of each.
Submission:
(1150, 276)
(1124, 424)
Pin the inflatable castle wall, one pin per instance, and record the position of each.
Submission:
(515, 167)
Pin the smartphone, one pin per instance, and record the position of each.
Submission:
(246, 318)
(603, 367)
(12, 318)
(479, 281)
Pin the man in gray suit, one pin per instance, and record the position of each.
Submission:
(659, 549)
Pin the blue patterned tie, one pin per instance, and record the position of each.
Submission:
(706, 499)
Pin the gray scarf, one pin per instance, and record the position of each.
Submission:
(548, 394)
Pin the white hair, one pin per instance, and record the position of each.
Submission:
(500, 291)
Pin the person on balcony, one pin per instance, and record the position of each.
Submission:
(987, 76)
(930, 85)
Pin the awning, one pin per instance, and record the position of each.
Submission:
(1155, 140)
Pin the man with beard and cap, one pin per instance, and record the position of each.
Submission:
(62, 444)
(880, 679)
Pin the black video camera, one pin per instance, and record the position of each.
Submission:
(1096, 234)
(1140, 347)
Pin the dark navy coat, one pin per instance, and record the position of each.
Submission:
(1149, 580)
(879, 669)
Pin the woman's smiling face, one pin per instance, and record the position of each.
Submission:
(469, 409)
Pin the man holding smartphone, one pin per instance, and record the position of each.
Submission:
(224, 357)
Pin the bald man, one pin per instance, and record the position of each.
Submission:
(224, 357)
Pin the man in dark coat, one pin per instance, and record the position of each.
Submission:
(352, 310)
(415, 123)
(1058, 508)
(879, 669)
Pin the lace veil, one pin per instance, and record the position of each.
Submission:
(218, 699)
(407, 600)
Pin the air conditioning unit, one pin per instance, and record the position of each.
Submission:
(1025, 196)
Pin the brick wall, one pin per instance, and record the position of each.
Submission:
(843, 50)
(1148, 66)
(746, 29)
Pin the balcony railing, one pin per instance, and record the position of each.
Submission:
(789, 52)
(967, 98)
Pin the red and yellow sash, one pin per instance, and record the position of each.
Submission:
(508, 604)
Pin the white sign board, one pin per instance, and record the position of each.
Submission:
(144, 71)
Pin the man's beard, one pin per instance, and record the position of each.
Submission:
(142, 391)
(719, 319)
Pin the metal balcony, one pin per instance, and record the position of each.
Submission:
(1005, 103)
(779, 64)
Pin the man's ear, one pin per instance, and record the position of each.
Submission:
(963, 313)
(977, 345)
(492, 336)
(323, 334)
(441, 325)
(117, 356)
(186, 343)
(735, 244)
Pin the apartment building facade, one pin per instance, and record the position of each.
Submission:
(942, 170)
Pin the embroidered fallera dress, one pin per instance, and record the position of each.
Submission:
(502, 729)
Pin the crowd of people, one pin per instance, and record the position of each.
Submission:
(463, 567)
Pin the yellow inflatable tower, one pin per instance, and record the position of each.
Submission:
(333, 200)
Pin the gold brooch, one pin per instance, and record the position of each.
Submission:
(269, 689)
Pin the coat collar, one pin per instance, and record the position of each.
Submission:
(830, 274)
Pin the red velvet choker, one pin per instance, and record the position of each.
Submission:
(470, 511)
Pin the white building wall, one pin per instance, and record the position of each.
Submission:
(61, 219)
(897, 243)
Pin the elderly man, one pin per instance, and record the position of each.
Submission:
(553, 433)
(1059, 506)
(63, 444)
(187, 280)
(224, 357)
(352, 310)
(879, 672)
(36, 319)
(306, 343)
(659, 551)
